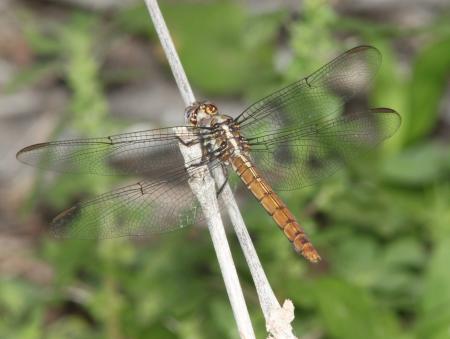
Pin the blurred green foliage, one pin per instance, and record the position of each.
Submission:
(382, 226)
(429, 79)
(204, 40)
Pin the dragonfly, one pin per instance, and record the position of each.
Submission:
(289, 139)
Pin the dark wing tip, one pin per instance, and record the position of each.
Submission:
(26, 150)
(384, 110)
(61, 224)
(395, 118)
(366, 48)
(362, 48)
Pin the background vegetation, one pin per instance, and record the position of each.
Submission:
(382, 226)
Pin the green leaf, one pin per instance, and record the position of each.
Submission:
(418, 165)
(68, 261)
(429, 79)
(437, 218)
(351, 313)
(356, 259)
(15, 297)
(21, 308)
(434, 316)
(406, 251)
(31, 328)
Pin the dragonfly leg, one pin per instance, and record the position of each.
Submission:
(187, 143)
(222, 186)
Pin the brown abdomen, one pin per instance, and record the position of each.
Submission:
(274, 206)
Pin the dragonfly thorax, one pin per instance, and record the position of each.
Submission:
(227, 140)
(228, 137)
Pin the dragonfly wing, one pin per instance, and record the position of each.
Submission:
(320, 94)
(302, 155)
(153, 206)
(141, 209)
(149, 152)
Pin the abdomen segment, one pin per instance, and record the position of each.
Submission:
(274, 206)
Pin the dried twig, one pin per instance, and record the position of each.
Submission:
(204, 186)
(277, 318)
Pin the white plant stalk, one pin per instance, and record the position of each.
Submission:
(203, 186)
(277, 318)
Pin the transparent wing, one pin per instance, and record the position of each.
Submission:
(301, 155)
(160, 205)
(319, 95)
(149, 152)
(141, 209)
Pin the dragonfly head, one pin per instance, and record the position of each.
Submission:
(201, 112)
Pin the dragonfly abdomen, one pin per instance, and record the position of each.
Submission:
(273, 204)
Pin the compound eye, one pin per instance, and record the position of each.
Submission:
(210, 109)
